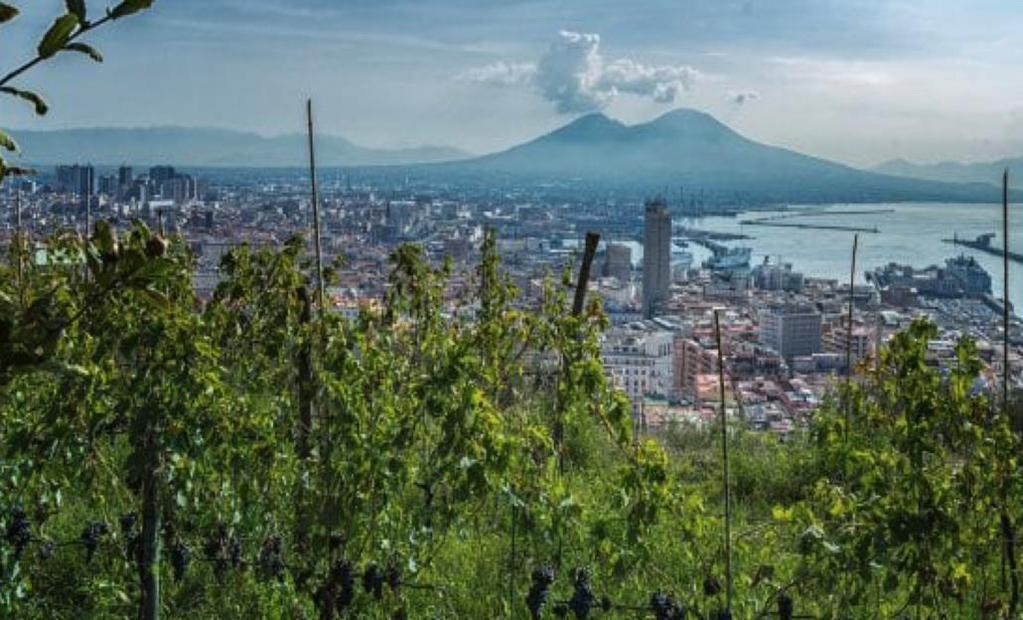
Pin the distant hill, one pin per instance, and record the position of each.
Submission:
(199, 146)
(977, 172)
(692, 149)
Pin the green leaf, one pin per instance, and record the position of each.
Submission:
(76, 8)
(27, 95)
(58, 34)
(8, 142)
(86, 49)
(7, 12)
(129, 7)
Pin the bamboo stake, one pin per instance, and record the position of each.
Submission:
(1005, 290)
(1007, 526)
(316, 205)
(590, 250)
(19, 244)
(848, 333)
(592, 239)
(724, 456)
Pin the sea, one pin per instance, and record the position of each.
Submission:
(907, 233)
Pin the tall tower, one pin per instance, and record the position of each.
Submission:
(656, 255)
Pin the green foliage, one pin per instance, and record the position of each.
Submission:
(60, 36)
(437, 454)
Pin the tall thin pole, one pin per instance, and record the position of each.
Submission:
(316, 205)
(849, 331)
(1005, 290)
(20, 247)
(724, 457)
(88, 204)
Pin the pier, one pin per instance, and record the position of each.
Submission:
(766, 222)
(772, 220)
(983, 244)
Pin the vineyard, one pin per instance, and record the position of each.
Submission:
(254, 457)
(448, 454)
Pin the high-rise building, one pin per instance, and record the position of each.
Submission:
(656, 255)
(124, 177)
(108, 185)
(791, 329)
(80, 180)
(618, 262)
(160, 174)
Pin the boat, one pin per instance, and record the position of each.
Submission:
(729, 258)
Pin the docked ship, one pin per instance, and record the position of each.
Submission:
(729, 259)
(962, 276)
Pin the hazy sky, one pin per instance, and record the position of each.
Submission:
(856, 80)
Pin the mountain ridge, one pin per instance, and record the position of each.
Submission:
(208, 146)
(964, 172)
(690, 148)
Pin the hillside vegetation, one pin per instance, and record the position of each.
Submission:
(252, 457)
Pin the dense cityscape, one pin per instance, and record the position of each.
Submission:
(785, 335)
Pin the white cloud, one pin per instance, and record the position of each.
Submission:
(743, 97)
(501, 74)
(574, 76)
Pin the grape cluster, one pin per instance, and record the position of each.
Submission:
(539, 589)
(271, 557)
(786, 608)
(583, 599)
(46, 550)
(667, 608)
(131, 537)
(335, 540)
(711, 586)
(19, 532)
(393, 576)
(91, 536)
(180, 557)
(723, 614)
(338, 591)
(224, 551)
(373, 580)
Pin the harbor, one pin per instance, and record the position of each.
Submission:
(983, 244)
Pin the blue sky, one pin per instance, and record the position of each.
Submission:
(856, 80)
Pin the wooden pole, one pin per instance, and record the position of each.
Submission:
(849, 333)
(1005, 290)
(1007, 526)
(592, 240)
(19, 244)
(724, 458)
(316, 205)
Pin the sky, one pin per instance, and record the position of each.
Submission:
(859, 81)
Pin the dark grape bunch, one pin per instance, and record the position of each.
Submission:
(393, 576)
(131, 537)
(666, 608)
(711, 586)
(19, 532)
(180, 557)
(583, 599)
(47, 549)
(373, 580)
(338, 591)
(271, 557)
(223, 551)
(91, 536)
(786, 608)
(539, 589)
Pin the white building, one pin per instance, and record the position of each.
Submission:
(639, 359)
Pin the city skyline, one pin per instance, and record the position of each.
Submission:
(854, 83)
